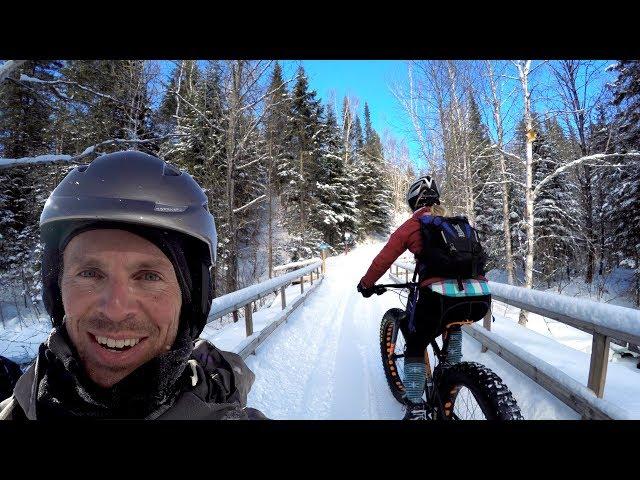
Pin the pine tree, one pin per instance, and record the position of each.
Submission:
(27, 129)
(337, 212)
(373, 192)
(555, 207)
(601, 140)
(277, 131)
(300, 172)
(368, 129)
(623, 200)
(26, 111)
(485, 190)
(109, 99)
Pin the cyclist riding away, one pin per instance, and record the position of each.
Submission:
(441, 286)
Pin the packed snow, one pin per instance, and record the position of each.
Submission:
(602, 315)
(324, 363)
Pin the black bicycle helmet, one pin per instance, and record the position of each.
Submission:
(423, 193)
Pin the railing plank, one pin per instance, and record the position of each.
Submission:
(233, 301)
(486, 323)
(601, 320)
(248, 319)
(599, 362)
(283, 297)
(577, 312)
(565, 388)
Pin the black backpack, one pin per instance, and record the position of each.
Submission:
(451, 248)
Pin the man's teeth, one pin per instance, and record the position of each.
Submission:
(112, 343)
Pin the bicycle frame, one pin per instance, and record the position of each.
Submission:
(432, 394)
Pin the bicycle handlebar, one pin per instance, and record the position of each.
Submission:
(381, 288)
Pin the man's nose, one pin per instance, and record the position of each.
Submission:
(117, 301)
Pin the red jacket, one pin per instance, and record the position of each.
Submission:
(406, 237)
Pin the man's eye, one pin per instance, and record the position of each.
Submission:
(151, 276)
(88, 273)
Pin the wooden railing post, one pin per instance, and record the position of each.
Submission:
(599, 362)
(486, 323)
(324, 258)
(248, 319)
(302, 284)
(235, 316)
(311, 275)
(283, 297)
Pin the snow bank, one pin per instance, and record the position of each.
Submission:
(611, 317)
(564, 380)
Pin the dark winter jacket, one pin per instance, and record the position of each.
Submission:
(9, 374)
(214, 386)
(406, 237)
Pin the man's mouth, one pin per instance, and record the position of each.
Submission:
(115, 345)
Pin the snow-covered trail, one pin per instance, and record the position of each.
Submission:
(324, 363)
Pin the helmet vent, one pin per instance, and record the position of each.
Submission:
(171, 171)
(82, 168)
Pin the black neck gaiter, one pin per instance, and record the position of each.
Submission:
(65, 390)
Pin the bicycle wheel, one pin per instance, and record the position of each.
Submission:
(470, 391)
(393, 366)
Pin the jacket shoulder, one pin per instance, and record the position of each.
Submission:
(10, 409)
(222, 381)
(227, 370)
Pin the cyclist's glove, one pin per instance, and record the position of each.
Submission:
(366, 292)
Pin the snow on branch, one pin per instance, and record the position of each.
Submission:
(249, 163)
(12, 162)
(26, 78)
(255, 200)
(8, 67)
(578, 161)
(509, 154)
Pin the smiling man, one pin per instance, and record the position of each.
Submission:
(126, 272)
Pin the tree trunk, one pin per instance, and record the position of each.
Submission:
(270, 189)
(506, 218)
(232, 247)
(524, 68)
(589, 225)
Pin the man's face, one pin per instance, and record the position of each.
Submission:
(122, 301)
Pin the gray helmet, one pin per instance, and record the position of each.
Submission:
(130, 188)
(423, 192)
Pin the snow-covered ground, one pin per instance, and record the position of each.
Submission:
(324, 362)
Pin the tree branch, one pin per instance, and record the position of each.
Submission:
(255, 200)
(8, 67)
(578, 161)
(12, 162)
(26, 78)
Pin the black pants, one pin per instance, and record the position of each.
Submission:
(426, 321)
(429, 320)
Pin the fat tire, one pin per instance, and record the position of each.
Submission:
(493, 396)
(394, 381)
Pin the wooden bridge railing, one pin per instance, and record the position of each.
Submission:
(601, 320)
(244, 298)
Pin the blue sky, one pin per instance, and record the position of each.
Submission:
(368, 80)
